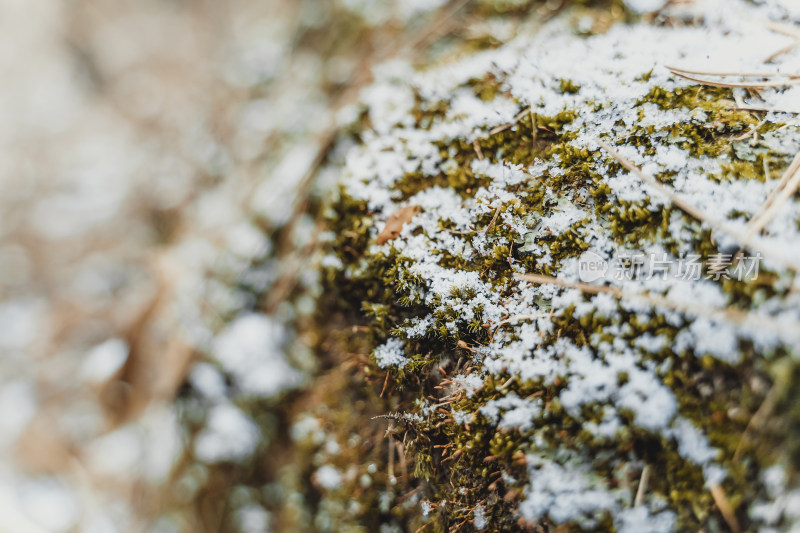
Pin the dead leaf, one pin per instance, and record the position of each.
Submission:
(395, 223)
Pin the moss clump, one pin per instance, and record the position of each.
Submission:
(486, 88)
(568, 86)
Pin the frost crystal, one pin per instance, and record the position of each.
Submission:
(391, 353)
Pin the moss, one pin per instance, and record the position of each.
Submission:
(457, 456)
(645, 77)
(425, 113)
(486, 88)
(461, 180)
(568, 86)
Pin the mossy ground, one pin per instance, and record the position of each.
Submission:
(463, 465)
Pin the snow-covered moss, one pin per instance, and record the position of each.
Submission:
(521, 403)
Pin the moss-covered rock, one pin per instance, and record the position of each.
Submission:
(552, 405)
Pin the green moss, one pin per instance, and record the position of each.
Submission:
(425, 113)
(646, 76)
(461, 180)
(568, 86)
(462, 463)
(485, 88)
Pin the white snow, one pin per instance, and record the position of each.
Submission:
(50, 503)
(391, 353)
(645, 6)
(251, 350)
(479, 518)
(104, 360)
(562, 493)
(229, 435)
(328, 477)
(638, 519)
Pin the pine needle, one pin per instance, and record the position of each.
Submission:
(725, 507)
(514, 121)
(784, 29)
(641, 491)
(494, 218)
(793, 80)
(678, 70)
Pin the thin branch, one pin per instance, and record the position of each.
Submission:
(750, 131)
(515, 318)
(677, 200)
(757, 420)
(725, 507)
(784, 29)
(764, 109)
(477, 148)
(515, 120)
(785, 50)
(641, 491)
(494, 218)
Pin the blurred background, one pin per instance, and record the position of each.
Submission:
(158, 181)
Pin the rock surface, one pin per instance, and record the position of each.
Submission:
(638, 402)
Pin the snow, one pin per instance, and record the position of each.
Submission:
(479, 518)
(645, 6)
(246, 241)
(20, 322)
(50, 503)
(518, 413)
(328, 477)
(469, 383)
(251, 350)
(639, 519)
(692, 444)
(104, 360)
(18, 405)
(207, 380)
(562, 493)
(117, 452)
(391, 353)
(425, 506)
(253, 518)
(77, 196)
(229, 435)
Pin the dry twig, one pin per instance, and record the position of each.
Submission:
(503, 127)
(642, 489)
(494, 218)
(725, 507)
